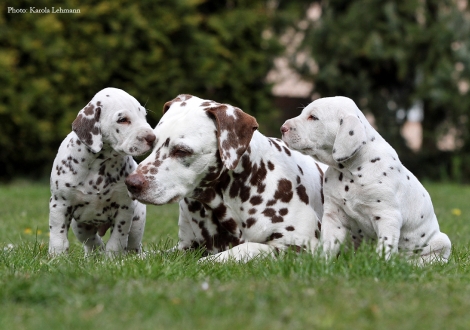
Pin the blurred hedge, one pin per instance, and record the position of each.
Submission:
(51, 65)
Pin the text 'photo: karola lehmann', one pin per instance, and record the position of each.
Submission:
(45, 10)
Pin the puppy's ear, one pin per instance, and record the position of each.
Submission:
(87, 127)
(350, 138)
(180, 98)
(167, 106)
(235, 129)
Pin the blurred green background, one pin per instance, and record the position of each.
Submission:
(401, 61)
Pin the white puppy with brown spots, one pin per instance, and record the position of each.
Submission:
(241, 194)
(368, 192)
(87, 179)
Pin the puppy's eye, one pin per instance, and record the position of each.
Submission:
(178, 152)
(123, 120)
(313, 117)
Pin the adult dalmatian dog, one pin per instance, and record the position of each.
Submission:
(368, 192)
(87, 179)
(241, 194)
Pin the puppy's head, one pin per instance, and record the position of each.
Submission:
(196, 140)
(115, 119)
(330, 129)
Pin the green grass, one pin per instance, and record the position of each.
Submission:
(173, 291)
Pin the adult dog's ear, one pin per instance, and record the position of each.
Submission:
(350, 138)
(235, 129)
(87, 126)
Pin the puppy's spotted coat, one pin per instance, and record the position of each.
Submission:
(87, 179)
(241, 193)
(368, 192)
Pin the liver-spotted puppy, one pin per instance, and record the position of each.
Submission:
(368, 191)
(240, 193)
(87, 179)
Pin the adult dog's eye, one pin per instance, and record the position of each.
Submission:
(123, 120)
(313, 117)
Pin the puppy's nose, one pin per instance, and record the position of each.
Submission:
(135, 183)
(150, 138)
(284, 129)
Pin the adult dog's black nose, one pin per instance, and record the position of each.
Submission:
(135, 183)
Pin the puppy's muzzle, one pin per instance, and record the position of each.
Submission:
(284, 129)
(136, 183)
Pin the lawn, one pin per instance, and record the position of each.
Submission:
(172, 291)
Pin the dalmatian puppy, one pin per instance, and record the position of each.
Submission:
(87, 179)
(241, 194)
(368, 191)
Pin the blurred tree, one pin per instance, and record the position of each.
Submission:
(51, 65)
(388, 55)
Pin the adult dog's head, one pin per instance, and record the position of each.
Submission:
(330, 129)
(196, 140)
(114, 119)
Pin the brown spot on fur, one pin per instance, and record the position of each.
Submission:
(271, 202)
(230, 225)
(250, 222)
(220, 211)
(274, 236)
(89, 109)
(194, 206)
(256, 200)
(284, 191)
(302, 193)
(317, 234)
(278, 147)
(271, 213)
(258, 174)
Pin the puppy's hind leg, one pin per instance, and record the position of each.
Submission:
(388, 233)
(134, 242)
(438, 249)
(87, 234)
(59, 222)
(333, 234)
(117, 243)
